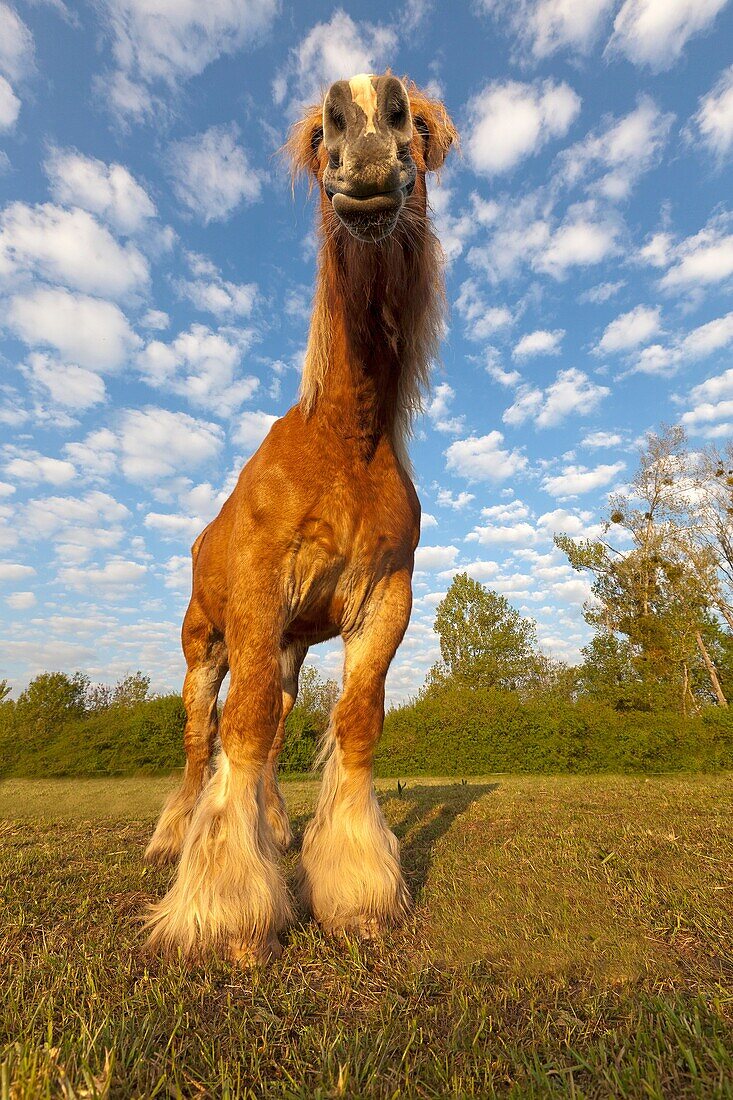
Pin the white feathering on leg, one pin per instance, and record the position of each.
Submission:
(229, 890)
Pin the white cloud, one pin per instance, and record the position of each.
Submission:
(155, 319)
(619, 152)
(92, 520)
(697, 344)
(202, 366)
(601, 293)
(21, 601)
(95, 456)
(522, 230)
(430, 558)
(108, 190)
(14, 571)
(115, 574)
(630, 329)
(512, 511)
(510, 121)
(546, 26)
(454, 230)
(711, 401)
(209, 292)
(333, 51)
(167, 43)
(714, 117)
(717, 388)
(68, 247)
(702, 259)
(174, 526)
(84, 330)
(211, 174)
(540, 342)
(446, 499)
(495, 534)
(16, 62)
(438, 410)
(9, 105)
(481, 319)
(32, 467)
(602, 439)
(580, 479)
(527, 234)
(251, 428)
(585, 237)
(427, 520)
(575, 524)
(157, 443)
(16, 45)
(571, 392)
(655, 32)
(657, 250)
(481, 570)
(482, 458)
(66, 384)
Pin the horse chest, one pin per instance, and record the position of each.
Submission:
(336, 555)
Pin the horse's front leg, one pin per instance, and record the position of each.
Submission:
(229, 891)
(350, 875)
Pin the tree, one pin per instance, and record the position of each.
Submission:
(308, 720)
(49, 700)
(660, 592)
(130, 690)
(483, 639)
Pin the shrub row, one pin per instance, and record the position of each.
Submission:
(146, 738)
(463, 731)
(449, 731)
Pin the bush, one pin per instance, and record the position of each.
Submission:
(116, 740)
(450, 730)
(456, 730)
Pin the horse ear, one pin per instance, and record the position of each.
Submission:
(435, 127)
(304, 142)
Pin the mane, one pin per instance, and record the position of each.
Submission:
(405, 273)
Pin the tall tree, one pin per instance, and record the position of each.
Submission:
(483, 639)
(660, 588)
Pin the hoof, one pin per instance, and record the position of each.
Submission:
(161, 855)
(282, 834)
(249, 955)
(366, 929)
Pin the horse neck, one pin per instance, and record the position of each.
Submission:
(365, 336)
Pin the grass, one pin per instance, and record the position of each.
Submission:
(571, 937)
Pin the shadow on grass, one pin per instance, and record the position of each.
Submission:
(420, 815)
(431, 811)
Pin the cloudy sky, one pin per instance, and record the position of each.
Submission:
(156, 273)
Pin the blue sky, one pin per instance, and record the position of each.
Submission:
(156, 273)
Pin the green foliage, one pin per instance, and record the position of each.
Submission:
(50, 700)
(146, 737)
(483, 639)
(308, 721)
(456, 730)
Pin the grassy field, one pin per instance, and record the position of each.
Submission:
(571, 937)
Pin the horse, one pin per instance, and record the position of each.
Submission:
(316, 540)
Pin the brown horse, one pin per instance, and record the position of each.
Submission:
(317, 539)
